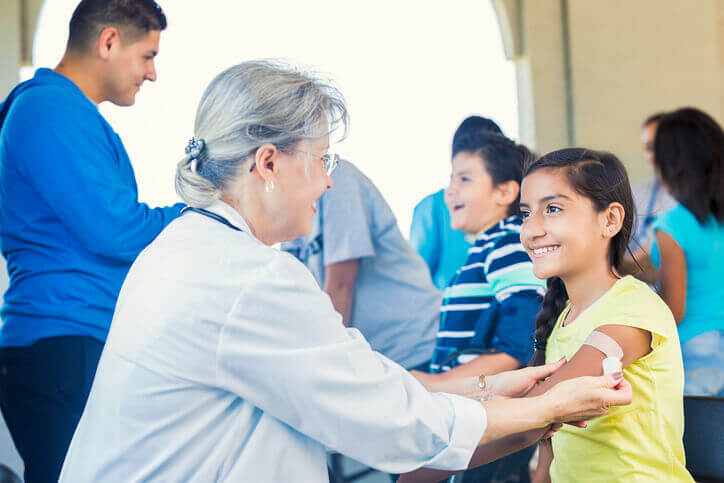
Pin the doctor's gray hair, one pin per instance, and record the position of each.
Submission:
(246, 106)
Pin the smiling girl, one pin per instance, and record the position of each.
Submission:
(577, 209)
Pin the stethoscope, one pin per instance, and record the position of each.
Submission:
(211, 215)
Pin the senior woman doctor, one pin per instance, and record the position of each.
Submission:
(225, 361)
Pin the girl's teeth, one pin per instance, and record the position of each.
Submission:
(540, 251)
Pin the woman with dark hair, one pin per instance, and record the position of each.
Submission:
(689, 246)
(650, 197)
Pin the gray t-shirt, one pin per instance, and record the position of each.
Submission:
(395, 306)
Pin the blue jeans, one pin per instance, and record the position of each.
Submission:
(43, 390)
(510, 469)
(704, 364)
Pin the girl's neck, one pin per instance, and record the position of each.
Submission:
(586, 287)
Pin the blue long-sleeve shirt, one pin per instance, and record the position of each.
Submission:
(70, 220)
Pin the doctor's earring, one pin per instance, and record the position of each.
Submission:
(269, 186)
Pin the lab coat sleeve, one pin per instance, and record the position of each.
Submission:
(285, 350)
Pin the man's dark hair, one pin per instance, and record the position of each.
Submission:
(473, 125)
(133, 19)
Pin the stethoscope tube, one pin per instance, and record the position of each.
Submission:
(211, 215)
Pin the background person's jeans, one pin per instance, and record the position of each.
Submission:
(510, 469)
(43, 391)
(704, 364)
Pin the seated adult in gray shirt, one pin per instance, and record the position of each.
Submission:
(375, 280)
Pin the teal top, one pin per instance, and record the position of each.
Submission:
(703, 246)
(443, 248)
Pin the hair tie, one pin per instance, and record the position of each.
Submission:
(195, 147)
(539, 345)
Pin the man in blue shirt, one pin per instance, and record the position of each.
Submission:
(70, 222)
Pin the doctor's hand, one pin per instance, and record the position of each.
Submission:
(519, 382)
(586, 397)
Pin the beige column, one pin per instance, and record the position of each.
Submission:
(590, 71)
(632, 58)
(533, 38)
(10, 45)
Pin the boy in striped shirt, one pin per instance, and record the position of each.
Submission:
(490, 305)
(488, 311)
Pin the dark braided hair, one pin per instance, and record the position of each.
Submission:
(602, 178)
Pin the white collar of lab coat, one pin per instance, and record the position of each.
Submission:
(234, 217)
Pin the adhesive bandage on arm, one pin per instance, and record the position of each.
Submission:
(609, 348)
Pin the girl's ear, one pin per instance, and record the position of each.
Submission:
(508, 192)
(611, 220)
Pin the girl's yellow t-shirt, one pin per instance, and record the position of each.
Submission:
(642, 441)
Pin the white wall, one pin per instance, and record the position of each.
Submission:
(411, 71)
(9, 65)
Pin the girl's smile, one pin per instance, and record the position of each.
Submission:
(539, 252)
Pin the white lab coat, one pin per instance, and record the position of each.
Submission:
(226, 362)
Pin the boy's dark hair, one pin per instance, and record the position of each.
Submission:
(473, 125)
(654, 118)
(133, 19)
(602, 178)
(502, 157)
(689, 158)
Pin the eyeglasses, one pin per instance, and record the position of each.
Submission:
(329, 161)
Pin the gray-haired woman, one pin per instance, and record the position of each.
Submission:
(225, 361)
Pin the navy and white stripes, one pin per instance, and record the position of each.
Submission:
(491, 303)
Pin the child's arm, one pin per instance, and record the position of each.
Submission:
(510, 339)
(483, 454)
(635, 343)
(487, 364)
(545, 458)
(672, 274)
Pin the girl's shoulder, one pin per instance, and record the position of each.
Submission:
(633, 303)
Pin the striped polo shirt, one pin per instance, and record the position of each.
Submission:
(491, 303)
